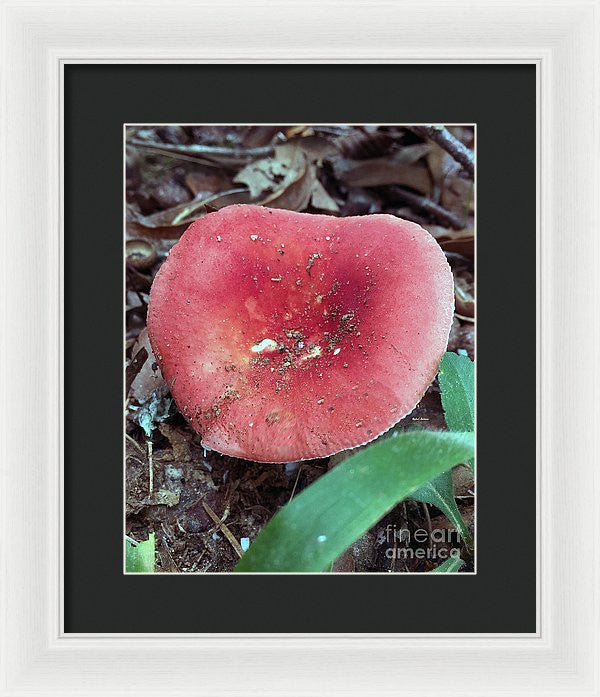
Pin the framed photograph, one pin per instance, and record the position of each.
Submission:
(300, 354)
(292, 291)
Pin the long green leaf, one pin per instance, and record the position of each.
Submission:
(440, 493)
(139, 558)
(328, 516)
(457, 384)
(449, 566)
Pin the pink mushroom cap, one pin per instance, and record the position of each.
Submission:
(286, 336)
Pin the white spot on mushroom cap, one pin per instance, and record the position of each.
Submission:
(264, 345)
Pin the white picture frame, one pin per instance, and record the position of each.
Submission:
(562, 40)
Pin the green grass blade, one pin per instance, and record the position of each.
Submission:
(139, 558)
(457, 384)
(449, 566)
(440, 493)
(456, 378)
(321, 522)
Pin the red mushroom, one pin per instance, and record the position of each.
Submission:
(286, 336)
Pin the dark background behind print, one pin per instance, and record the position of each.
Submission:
(501, 100)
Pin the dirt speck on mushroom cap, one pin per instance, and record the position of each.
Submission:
(289, 336)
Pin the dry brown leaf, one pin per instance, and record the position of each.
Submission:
(286, 180)
(179, 442)
(134, 366)
(297, 195)
(149, 377)
(322, 200)
(441, 233)
(293, 131)
(464, 299)
(316, 148)
(401, 168)
(464, 246)
(272, 175)
(458, 196)
(365, 143)
(441, 165)
(268, 175)
(257, 136)
(410, 154)
(206, 181)
(171, 223)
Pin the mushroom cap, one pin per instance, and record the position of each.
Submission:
(287, 336)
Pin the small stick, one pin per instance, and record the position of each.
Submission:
(426, 509)
(224, 529)
(206, 150)
(134, 442)
(295, 483)
(442, 136)
(150, 467)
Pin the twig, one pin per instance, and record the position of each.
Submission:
(295, 483)
(150, 468)
(134, 442)
(442, 136)
(205, 150)
(428, 206)
(428, 517)
(224, 529)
